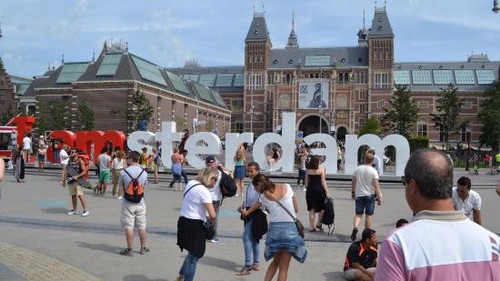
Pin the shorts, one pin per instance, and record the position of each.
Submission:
(365, 204)
(74, 188)
(133, 214)
(350, 274)
(104, 175)
(41, 158)
(239, 172)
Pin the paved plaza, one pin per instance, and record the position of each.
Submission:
(39, 241)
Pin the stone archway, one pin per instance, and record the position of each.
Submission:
(311, 125)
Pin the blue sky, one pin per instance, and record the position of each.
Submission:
(37, 33)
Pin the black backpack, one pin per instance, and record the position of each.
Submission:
(227, 185)
(329, 216)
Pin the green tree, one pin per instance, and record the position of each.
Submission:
(84, 116)
(51, 117)
(140, 109)
(372, 126)
(402, 115)
(489, 115)
(448, 106)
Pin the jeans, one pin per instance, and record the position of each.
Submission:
(188, 268)
(215, 222)
(250, 245)
(184, 175)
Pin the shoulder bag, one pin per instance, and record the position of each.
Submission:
(298, 224)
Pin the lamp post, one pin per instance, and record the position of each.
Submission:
(495, 9)
(468, 133)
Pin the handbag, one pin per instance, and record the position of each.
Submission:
(298, 224)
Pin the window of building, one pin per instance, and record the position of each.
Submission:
(381, 104)
(361, 77)
(485, 76)
(467, 104)
(465, 77)
(363, 108)
(237, 127)
(343, 78)
(442, 77)
(255, 81)
(422, 129)
(421, 77)
(236, 105)
(402, 77)
(381, 80)
(422, 104)
(363, 95)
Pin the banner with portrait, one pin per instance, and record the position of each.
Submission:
(313, 95)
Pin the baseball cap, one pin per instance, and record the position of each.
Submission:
(209, 159)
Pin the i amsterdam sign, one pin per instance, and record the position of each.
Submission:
(206, 143)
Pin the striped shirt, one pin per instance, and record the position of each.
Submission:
(440, 246)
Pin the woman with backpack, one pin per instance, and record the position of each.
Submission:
(191, 231)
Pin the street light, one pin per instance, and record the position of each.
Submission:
(468, 133)
(495, 9)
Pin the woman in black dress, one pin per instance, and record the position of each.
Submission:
(316, 193)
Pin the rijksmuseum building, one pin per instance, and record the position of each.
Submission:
(331, 90)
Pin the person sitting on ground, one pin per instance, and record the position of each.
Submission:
(361, 259)
(467, 200)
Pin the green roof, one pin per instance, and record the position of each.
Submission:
(109, 65)
(149, 71)
(177, 82)
(71, 72)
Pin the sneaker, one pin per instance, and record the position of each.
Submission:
(354, 233)
(144, 250)
(215, 240)
(304, 189)
(72, 212)
(126, 252)
(85, 213)
(119, 197)
(244, 271)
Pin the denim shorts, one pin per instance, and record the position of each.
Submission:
(365, 205)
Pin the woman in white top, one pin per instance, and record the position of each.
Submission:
(27, 146)
(283, 240)
(196, 204)
(119, 163)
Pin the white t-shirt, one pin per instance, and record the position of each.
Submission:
(276, 212)
(473, 201)
(364, 175)
(215, 191)
(63, 155)
(104, 160)
(193, 203)
(26, 143)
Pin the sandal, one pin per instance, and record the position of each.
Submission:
(244, 271)
(126, 252)
(312, 230)
(144, 250)
(255, 267)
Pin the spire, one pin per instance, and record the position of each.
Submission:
(363, 34)
(292, 38)
(62, 58)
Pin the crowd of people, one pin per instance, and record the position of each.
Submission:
(414, 251)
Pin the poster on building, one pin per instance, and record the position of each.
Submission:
(313, 95)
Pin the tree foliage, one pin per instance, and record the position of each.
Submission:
(372, 126)
(51, 117)
(402, 115)
(489, 115)
(448, 106)
(139, 109)
(84, 116)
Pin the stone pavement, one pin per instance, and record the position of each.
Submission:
(39, 241)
